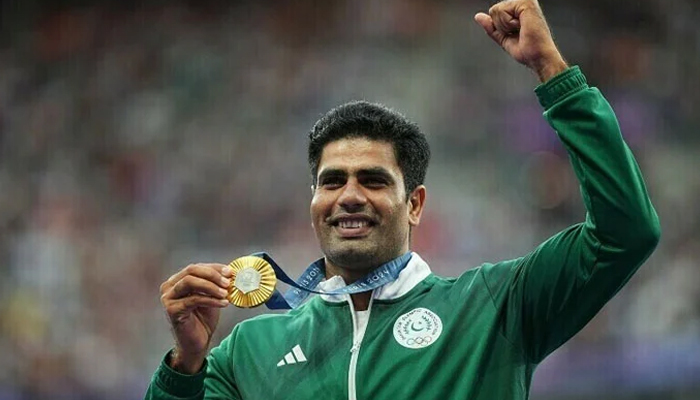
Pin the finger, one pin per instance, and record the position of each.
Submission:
(514, 24)
(195, 285)
(194, 301)
(486, 22)
(502, 18)
(205, 269)
(217, 273)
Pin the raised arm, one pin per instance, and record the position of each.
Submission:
(550, 294)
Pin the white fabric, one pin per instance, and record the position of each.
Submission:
(409, 277)
(362, 317)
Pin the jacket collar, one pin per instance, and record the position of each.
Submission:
(415, 271)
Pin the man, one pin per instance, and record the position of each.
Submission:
(420, 336)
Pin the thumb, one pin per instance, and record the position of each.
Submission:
(486, 22)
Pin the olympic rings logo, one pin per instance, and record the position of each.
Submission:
(420, 340)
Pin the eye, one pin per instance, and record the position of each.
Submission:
(375, 182)
(332, 182)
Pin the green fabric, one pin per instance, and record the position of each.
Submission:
(499, 320)
(175, 384)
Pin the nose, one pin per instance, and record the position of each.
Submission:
(352, 198)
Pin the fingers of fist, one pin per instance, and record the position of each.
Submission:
(197, 285)
(504, 19)
(190, 285)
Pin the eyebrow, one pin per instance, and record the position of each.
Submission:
(364, 172)
(376, 172)
(331, 172)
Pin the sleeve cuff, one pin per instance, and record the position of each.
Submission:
(177, 384)
(560, 87)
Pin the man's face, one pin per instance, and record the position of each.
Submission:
(359, 209)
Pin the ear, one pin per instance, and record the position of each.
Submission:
(416, 203)
(313, 192)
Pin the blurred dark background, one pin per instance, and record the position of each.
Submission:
(137, 137)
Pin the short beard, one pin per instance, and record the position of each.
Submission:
(359, 259)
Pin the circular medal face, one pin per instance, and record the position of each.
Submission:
(252, 283)
(247, 280)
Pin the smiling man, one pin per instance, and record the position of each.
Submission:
(417, 335)
(364, 205)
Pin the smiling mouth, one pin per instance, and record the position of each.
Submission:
(352, 227)
(353, 224)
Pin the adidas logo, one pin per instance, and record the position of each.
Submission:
(293, 357)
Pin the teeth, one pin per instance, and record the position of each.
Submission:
(352, 224)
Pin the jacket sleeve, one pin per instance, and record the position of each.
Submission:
(550, 294)
(214, 382)
(168, 384)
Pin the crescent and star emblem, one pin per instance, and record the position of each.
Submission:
(419, 328)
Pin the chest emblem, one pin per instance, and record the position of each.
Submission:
(417, 328)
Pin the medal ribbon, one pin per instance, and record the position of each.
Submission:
(314, 274)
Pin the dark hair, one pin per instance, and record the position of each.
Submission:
(374, 122)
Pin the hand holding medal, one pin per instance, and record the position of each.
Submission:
(193, 296)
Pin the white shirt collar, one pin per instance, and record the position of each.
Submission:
(409, 277)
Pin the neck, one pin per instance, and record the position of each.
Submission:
(348, 275)
(360, 301)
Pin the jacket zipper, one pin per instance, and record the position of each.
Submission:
(355, 349)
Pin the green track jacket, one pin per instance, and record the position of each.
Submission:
(479, 336)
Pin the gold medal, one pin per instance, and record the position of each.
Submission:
(252, 282)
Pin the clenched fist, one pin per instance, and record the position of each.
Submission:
(192, 299)
(520, 28)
